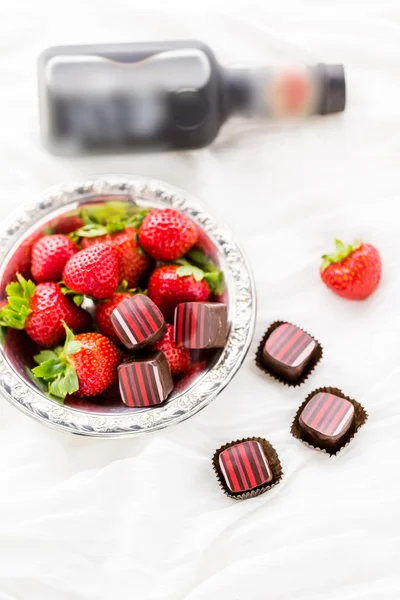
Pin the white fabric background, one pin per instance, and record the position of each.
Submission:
(144, 518)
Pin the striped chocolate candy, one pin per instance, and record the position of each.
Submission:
(327, 418)
(201, 325)
(288, 351)
(145, 380)
(244, 467)
(137, 321)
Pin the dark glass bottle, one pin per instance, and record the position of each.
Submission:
(166, 95)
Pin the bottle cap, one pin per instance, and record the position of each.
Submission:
(333, 88)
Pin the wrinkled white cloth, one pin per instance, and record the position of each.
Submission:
(85, 519)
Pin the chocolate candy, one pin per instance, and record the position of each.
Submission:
(137, 322)
(201, 325)
(145, 380)
(247, 468)
(288, 353)
(328, 420)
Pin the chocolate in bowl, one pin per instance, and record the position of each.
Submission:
(107, 416)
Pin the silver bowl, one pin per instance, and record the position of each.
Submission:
(109, 418)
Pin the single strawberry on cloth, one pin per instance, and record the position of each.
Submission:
(352, 272)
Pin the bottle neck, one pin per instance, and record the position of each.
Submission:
(284, 93)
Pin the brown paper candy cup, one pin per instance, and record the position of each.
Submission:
(360, 417)
(309, 369)
(273, 460)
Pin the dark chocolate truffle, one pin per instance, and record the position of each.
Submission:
(201, 325)
(244, 467)
(327, 418)
(247, 468)
(137, 322)
(289, 352)
(145, 380)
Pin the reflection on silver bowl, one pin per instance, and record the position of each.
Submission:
(107, 416)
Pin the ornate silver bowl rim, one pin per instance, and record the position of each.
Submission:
(241, 298)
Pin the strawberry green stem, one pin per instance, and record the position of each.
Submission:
(203, 268)
(341, 253)
(77, 298)
(15, 313)
(109, 218)
(55, 369)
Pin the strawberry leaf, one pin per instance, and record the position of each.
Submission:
(340, 247)
(137, 219)
(326, 262)
(210, 272)
(117, 226)
(91, 230)
(78, 299)
(185, 270)
(216, 282)
(55, 370)
(65, 383)
(199, 259)
(342, 252)
(15, 313)
(112, 224)
(42, 385)
(71, 346)
(45, 355)
(74, 237)
(115, 211)
(122, 287)
(48, 369)
(212, 275)
(16, 303)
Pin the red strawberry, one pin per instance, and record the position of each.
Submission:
(20, 261)
(86, 242)
(133, 262)
(41, 310)
(352, 272)
(172, 284)
(93, 271)
(86, 365)
(178, 358)
(167, 234)
(189, 377)
(50, 255)
(103, 314)
(68, 224)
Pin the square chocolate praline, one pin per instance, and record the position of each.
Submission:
(200, 325)
(138, 322)
(145, 379)
(328, 419)
(247, 468)
(288, 353)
